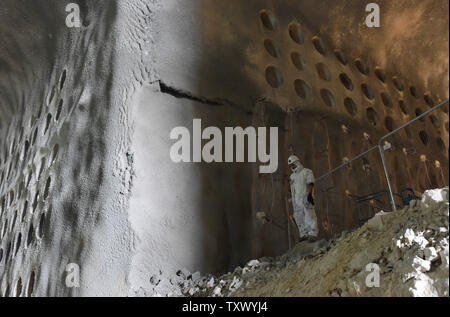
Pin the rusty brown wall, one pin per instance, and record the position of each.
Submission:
(345, 85)
(344, 97)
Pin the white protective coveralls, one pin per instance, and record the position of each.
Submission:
(304, 213)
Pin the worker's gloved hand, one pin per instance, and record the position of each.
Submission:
(310, 199)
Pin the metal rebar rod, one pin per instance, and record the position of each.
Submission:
(386, 173)
(380, 147)
(379, 143)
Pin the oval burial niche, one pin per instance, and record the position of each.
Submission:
(298, 61)
(413, 92)
(362, 67)
(429, 100)
(296, 33)
(350, 106)
(387, 101)
(341, 56)
(398, 83)
(419, 112)
(403, 107)
(302, 89)
(346, 81)
(271, 48)
(269, 20)
(381, 75)
(423, 137)
(274, 77)
(319, 45)
(368, 92)
(328, 98)
(372, 116)
(389, 124)
(323, 71)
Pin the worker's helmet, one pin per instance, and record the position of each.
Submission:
(292, 159)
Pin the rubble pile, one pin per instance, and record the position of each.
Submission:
(404, 253)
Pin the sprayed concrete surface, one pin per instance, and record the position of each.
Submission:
(86, 113)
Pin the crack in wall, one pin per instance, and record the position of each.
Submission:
(182, 94)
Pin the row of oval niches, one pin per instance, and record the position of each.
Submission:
(10, 250)
(390, 125)
(274, 76)
(23, 221)
(270, 22)
(303, 90)
(21, 195)
(20, 288)
(20, 204)
(20, 150)
(275, 79)
(46, 163)
(22, 184)
(20, 154)
(22, 213)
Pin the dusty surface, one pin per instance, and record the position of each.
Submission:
(85, 179)
(409, 246)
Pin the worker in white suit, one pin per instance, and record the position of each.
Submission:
(302, 186)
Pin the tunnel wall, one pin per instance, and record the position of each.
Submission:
(61, 152)
(343, 98)
(341, 84)
(84, 128)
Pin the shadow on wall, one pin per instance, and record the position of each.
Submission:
(232, 193)
(233, 234)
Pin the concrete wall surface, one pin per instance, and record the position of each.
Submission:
(86, 114)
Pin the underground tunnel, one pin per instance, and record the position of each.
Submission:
(86, 114)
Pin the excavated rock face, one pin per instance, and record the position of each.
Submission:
(86, 113)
